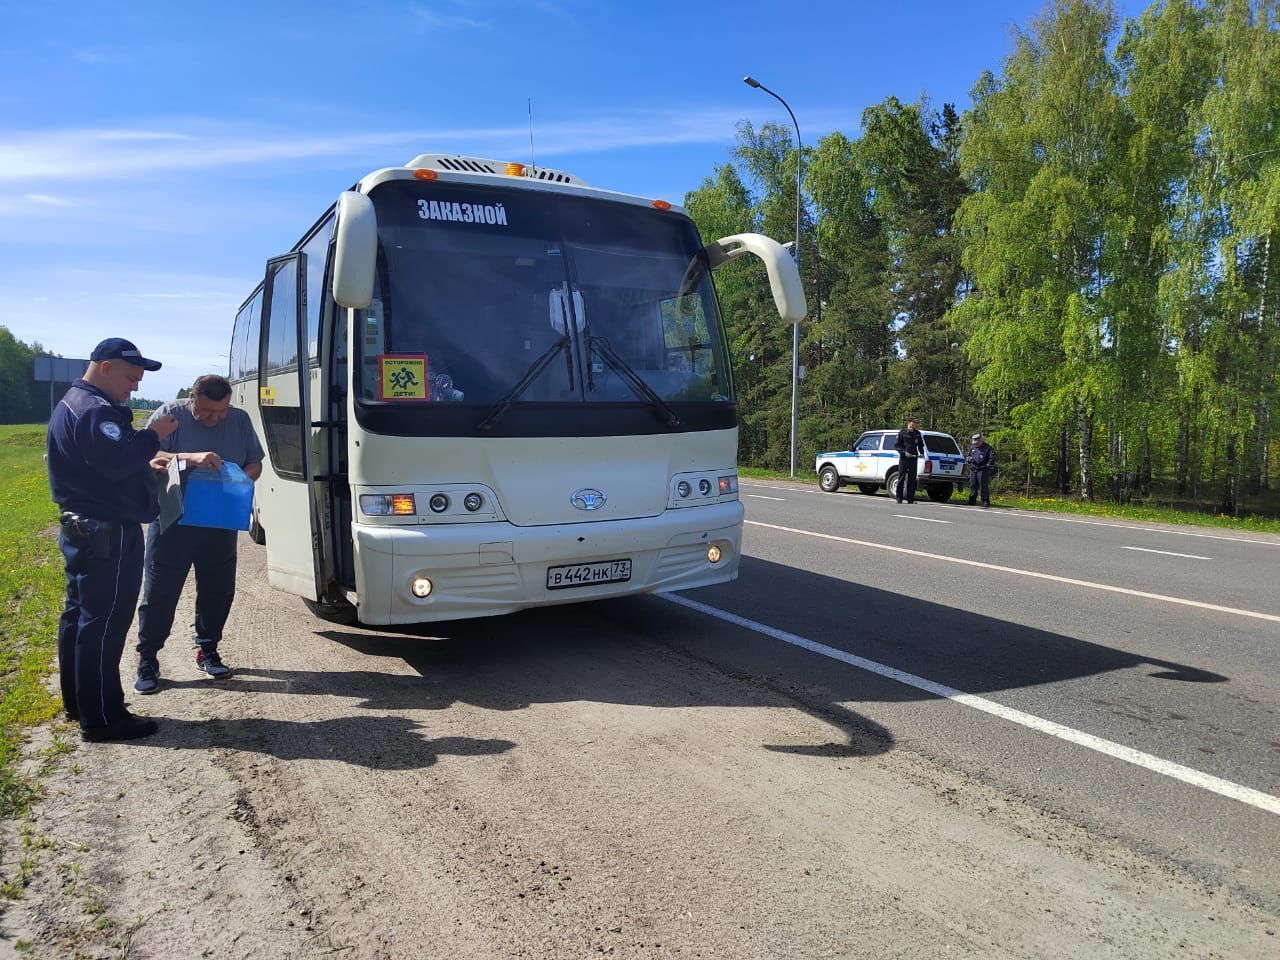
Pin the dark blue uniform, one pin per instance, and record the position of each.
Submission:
(981, 459)
(910, 445)
(100, 476)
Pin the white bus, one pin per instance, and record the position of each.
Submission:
(484, 387)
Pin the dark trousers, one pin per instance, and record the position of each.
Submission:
(980, 480)
(104, 571)
(906, 478)
(170, 557)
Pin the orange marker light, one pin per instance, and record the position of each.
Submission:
(662, 204)
(402, 504)
(515, 169)
(425, 174)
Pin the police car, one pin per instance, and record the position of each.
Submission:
(872, 465)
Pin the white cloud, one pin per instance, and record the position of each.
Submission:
(438, 20)
(49, 200)
(182, 319)
(126, 152)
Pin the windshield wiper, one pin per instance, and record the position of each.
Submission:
(636, 382)
(499, 409)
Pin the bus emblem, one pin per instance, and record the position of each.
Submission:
(587, 499)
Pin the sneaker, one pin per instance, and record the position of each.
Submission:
(209, 662)
(127, 727)
(985, 504)
(148, 675)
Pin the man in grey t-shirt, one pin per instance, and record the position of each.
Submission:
(209, 431)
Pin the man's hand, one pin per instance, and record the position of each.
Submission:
(163, 426)
(208, 460)
(160, 464)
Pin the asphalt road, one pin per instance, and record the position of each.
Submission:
(904, 731)
(1161, 639)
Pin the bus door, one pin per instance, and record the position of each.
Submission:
(286, 492)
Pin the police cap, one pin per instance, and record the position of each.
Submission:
(117, 348)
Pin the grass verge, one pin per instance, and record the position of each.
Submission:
(1052, 504)
(31, 590)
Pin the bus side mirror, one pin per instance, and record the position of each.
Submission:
(784, 275)
(356, 254)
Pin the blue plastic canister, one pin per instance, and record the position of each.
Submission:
(217, 499)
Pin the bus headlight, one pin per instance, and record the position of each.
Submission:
(387, 505)
(683, 489)
(438, 503)
(704, 487)
(473, 502)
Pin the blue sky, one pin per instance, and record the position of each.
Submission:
(153, 155)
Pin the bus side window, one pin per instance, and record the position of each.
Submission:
(252, 337)
(235, 363)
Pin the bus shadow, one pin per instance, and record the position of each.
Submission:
(380, 743)
(647, 651)
(606, 652)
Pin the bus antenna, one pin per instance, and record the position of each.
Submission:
(532, 165)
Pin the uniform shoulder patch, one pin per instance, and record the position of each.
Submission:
(111, 430)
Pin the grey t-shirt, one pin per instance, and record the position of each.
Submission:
(233, 439)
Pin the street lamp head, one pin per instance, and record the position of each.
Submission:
(751, 82)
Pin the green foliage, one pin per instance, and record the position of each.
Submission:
(1085, 265)
(30, 601)
(22, 400)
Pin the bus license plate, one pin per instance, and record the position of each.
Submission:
(586, 574)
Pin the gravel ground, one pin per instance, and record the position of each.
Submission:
(561, 784)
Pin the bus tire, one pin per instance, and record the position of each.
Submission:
(939, 492)
(869, 488)
(343, 614)
(256, 532)
(829, 479)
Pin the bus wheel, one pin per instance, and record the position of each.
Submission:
(829, 479)
(939, 492)
(343, 614)
(256, 533)
(869, 488)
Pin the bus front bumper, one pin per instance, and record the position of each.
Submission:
(483, 569)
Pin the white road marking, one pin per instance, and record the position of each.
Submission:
(1189, 556)
(1218, 608)
(906, 516)
(1009, 511)
(765, 486)
(1013, 512)
(757, 496)
(1196, 778)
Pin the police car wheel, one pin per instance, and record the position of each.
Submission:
(939, 492)
(828, 479)
(869, 488)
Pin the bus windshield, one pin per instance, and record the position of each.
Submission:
(495, 295)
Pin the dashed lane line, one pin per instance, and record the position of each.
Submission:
(1014, 512)
(907, 516)
(1071, 581)
(1189, 775)
(1168, 553)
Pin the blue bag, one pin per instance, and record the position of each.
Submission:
(217, 499)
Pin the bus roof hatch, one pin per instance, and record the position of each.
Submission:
(497, 168)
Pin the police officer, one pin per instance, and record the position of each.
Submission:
(910, 445)
(981, 459)
(101, 477)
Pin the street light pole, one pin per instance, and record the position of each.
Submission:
(795, 328)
